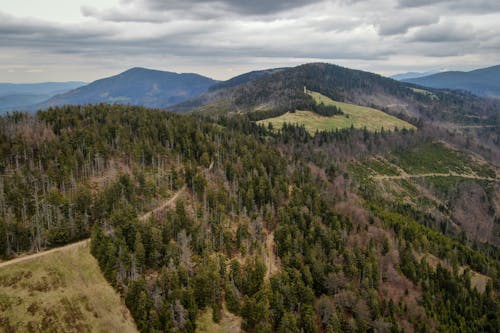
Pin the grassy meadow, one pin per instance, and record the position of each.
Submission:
(60, 292)
(354, 116)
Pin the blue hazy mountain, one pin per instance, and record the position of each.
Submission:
(411, 75)
(136, 86)
(481, 82)
(19, 96)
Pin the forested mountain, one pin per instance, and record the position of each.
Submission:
(481, 82)
(20, 96)
(136, 86)
(244, 78)
(282, 91)
(285, 230)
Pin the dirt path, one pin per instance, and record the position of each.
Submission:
(168, 203)
(272, 262)
(424, 175)
(40, 254)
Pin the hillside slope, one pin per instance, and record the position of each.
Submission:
(136, 86)
(481, 82)
(270, 231)
(352, 116)
(281, 91)
(62, 291)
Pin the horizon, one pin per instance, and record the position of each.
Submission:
(430, 72)
(57, 41)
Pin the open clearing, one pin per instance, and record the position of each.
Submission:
(229, 323)
(354, 116)
(62, 291)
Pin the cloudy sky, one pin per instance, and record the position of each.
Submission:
(61, 40)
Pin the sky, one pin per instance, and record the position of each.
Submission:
(76, 40)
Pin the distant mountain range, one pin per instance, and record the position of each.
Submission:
(412, 75)
(136, 86)
(23, 95)
(271, 89)
(481, 82)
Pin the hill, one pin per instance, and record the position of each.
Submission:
(63, 291)
(281, 91)
(136, 86)
(353, 116)
(20, 96)
(481, 82)
(410, 75)
(217, 223)
(274, 231)
(244, 78)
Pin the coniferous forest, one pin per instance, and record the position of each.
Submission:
(274, 227)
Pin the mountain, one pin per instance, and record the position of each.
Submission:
(244, 78)
(481, 82)
(203, 223)
(136, 86)
(284, 88)
(219, 225)
(22, 95)
(279, 91)
(411, 75)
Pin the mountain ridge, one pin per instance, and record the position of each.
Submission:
(484, 82)
(21, 96)
(136, 86)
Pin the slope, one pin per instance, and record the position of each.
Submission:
(343, 259)
(353, 116)
(481, 82)
(283, 90)
(63, 291)
(445, 188)
(136, 86)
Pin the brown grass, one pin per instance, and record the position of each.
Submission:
(228, 324)
(63, 291)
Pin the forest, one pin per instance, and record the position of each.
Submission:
(266, 224)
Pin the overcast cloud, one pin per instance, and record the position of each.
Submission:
(56, 40)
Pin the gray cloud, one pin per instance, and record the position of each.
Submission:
(243, 7)
(445, 32)
(221, 37)
(463, 6)
(400, 24)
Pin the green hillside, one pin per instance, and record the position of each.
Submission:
(354, 116)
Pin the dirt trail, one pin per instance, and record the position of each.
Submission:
(40, 254)
(272, 262)
(165, 204)
(424, 175)
(168, 203)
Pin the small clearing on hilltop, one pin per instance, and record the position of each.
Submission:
(354, 116)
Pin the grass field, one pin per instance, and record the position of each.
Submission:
(354, 116)
(60, 292)
(228, 324)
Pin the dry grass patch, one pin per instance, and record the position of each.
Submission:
(60, 292)
(354, 116)
(228, 324)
